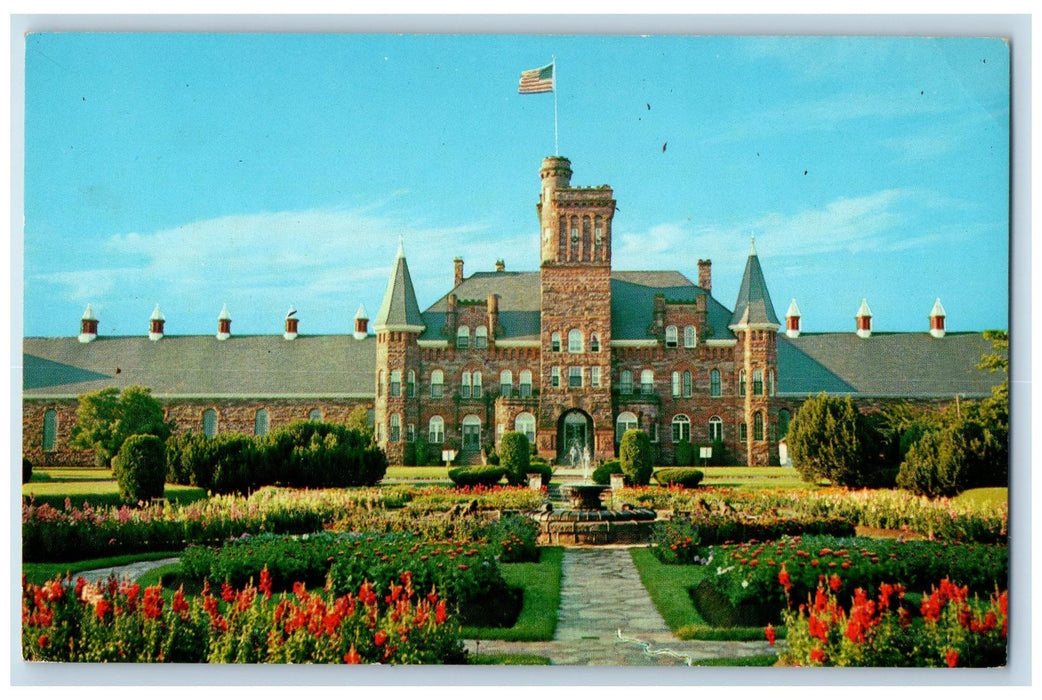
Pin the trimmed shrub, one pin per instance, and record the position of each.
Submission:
(684, 454)
(602, 474)
(935, 465)
(27, 470)
(688, 477)
(514, 455)
(225, 463)
(476, 476)
(314, 454)
(635, 457)
(140, 468)
(830, 439)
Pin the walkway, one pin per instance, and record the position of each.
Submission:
(132, 570)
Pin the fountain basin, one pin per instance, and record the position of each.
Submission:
(588, 526)
(585, 496)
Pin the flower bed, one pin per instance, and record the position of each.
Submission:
(439, 498)
(120, 622)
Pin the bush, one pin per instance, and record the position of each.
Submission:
(935, 465)
(140, 468)
(225, 463)
(514, 455)
(106, 418)
(684, 454)
(688, 477)
(830, 439)
(476, 476)
(27, 470)
(602, 474)
(313, 454)
(541, 468)
(635, 457)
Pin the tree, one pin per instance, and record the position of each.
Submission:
(936, 464)
(830, 439)
(140, 468)
(635, 457)
(358, 420)
(514, 455)
(106, 418)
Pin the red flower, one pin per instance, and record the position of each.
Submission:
(817, 655)
(463, 567)
(153, 602)
(952, 658)
(439, 612)
(770, 634)
(227, 592)
(352, 656)
(265, 582)
(44, 641)
(180, 605)
(103, 607)
(834, 582)
(784, 580)
(380, 638)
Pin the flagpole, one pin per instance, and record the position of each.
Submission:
(553, 62)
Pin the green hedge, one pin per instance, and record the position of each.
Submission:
(602, 474)
(476, 476)
(688, 477)
(139, 468)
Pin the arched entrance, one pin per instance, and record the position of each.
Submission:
(471, 434)
(574, 429)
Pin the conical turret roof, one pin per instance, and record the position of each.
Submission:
(754, 307)
(399, 310)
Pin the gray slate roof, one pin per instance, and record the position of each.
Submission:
(399, 307)
(333, 366)
(754, 301)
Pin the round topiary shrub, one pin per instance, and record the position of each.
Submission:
(140, 468)
(27, 470)
(602, 474)
(688, 477)
(635, 457)
(476, 476)
(514, 455)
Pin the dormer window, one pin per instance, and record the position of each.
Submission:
(671, 336)
(463, 337)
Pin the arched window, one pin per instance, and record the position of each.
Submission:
(671, 336)
(462, 337)
(525, 384)
(525, 423)
(681, 428)
(471, 433)
(716, 429)
(315, 414)
(555, 342)
(437, 384)
(436, 433)
(575, 340)
(647, 382)
(625, 382)
(464, 390)
(261, 422)
(50, 429)
(690, 337)
(410, 384)
(480, 337)
(476, 385)
(757, 382)
(625, 421)
(396, 383)
(758, 426)
(743, 432)
(394, 432)
(741, 382)
(506, 383)
(595, 342)
(687, 384)
(676, 384)
(784, 416)
(714, 383)
(209, 422)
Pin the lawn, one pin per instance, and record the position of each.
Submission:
(541, 582)
(754, 477)
(89, 486)
(42, 573)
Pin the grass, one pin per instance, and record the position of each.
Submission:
(507, 660)
(438, 473)
(984, 496)
(754, 478)
(541, 582)
(41, 573)
(668, 587)
(757, 660)
(93, 486)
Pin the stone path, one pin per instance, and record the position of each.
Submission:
(132, 570)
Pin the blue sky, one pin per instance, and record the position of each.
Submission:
(264, 171)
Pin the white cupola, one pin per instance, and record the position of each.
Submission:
(88, 325)
(792, 320)
(361, 323)
(155, 324)
(864, 320)
(937, 319)
(224, 324)
(291, 324)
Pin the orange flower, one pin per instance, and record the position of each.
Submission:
(352, 656)
(380, 638)
(952, 658)
(770, 633)
(817, 655)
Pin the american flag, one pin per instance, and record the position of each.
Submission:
(537, 80)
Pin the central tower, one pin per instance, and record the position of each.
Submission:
(575, 319)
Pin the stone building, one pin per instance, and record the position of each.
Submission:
(573, 354)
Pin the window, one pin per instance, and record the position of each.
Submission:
(716, 429)
(555, 377)
(741, 382)
(464, 390)
(595, 377)
(595, 342)
(575, 377)
(555, 342)
(462, 337)
(625, 421)
(784, 416)
(437, 384)
(625, 382)
(681, 428)
(396, 383)
(476, 385)
(653, 431)
(575, 341)
(770, 382)
(410, 432)
(209, 422)
(687, 384)
(481, 337)
(315, 414)
(436, 431)
(647, 383)
(525, 423)
(714, 383)
(757, 382)
(743, 432)
(526, 384)
(50, 429)
(671, 336)
(758, 426)
(261, 421)
(506, 383)
(690, 338)
(380, 377)
(410, 385)
(676, 384)
(395, 432)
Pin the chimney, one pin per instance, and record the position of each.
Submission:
(155, 324)
(291, 324)
(457, 269)
(224, 324)
(705, 275)
(792, 320)
(500, 265)
(864, 320)
(937, 319)
(493, 314)
(361, 323)
(88, 326)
